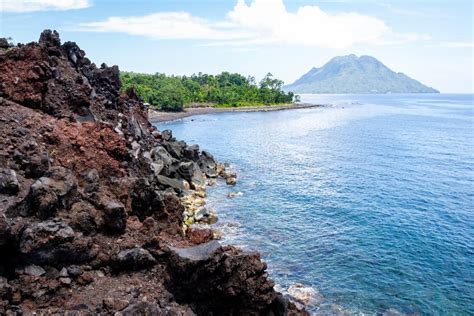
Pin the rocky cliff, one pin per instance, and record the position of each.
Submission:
(97, 206)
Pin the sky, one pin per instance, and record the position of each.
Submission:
(431, 41)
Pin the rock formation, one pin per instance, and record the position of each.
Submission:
(97, 206)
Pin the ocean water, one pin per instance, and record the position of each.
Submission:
(369, 199)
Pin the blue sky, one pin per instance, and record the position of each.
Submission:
(431, 41)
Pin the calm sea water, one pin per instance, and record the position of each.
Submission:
(369, 200)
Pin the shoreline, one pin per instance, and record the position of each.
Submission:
(155, 116)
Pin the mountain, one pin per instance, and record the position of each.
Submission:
(352, 74)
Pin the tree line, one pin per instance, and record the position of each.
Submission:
(172, 93)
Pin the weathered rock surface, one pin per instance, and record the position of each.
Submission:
(93, 205)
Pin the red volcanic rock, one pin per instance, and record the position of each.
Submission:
(199, 235)
(82, 207)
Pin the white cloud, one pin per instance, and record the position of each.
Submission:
(164, 25)
(21, 6)
(260, 22)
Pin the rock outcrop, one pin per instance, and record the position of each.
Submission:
(97, 206)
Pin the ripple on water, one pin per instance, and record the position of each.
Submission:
(371, 204)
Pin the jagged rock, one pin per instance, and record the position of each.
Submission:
(53, 242)
(90, 170)
(145, 200)
(8, 181)
(49, 193)
(114, 217)
(91, 178)
(192, 173)
(162, 160)
(134, 259)
(199, 235)
(191, 152)
(206, 215)
(5, 288)
(176, 149)
(167, 135)
(208, 165)
(222, 280)
(34, 270)
(179, 184)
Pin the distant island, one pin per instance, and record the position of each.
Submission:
(352, 74)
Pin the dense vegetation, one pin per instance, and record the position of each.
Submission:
(172, 93)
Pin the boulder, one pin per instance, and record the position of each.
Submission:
(114, 217)
(50, 192)
(208, 164)
(199, 235)
(222, 280)
(167, 135)
(191, 172)
(52, 242)
(161, 158)
(178, 184)
(191, 152)
(205, 215)
(135, 259)
(306, 295)
(146, 201)
(8, 182)
(175, 148)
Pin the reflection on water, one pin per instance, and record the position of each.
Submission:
(369, 200)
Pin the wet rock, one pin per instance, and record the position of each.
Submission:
(232, 195)
(231, 181)
(50, 193)
(206, 215)
(8, 182)
(305, 294)
(135, 259)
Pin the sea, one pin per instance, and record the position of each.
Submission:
(368, 199)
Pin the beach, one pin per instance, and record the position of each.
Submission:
(163, 116)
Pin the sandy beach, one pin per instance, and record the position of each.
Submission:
(161, 116)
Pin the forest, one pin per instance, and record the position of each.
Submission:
(173, 93)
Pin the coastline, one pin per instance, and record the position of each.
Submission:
(162, 116)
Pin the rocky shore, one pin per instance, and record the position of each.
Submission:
(97, 207)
